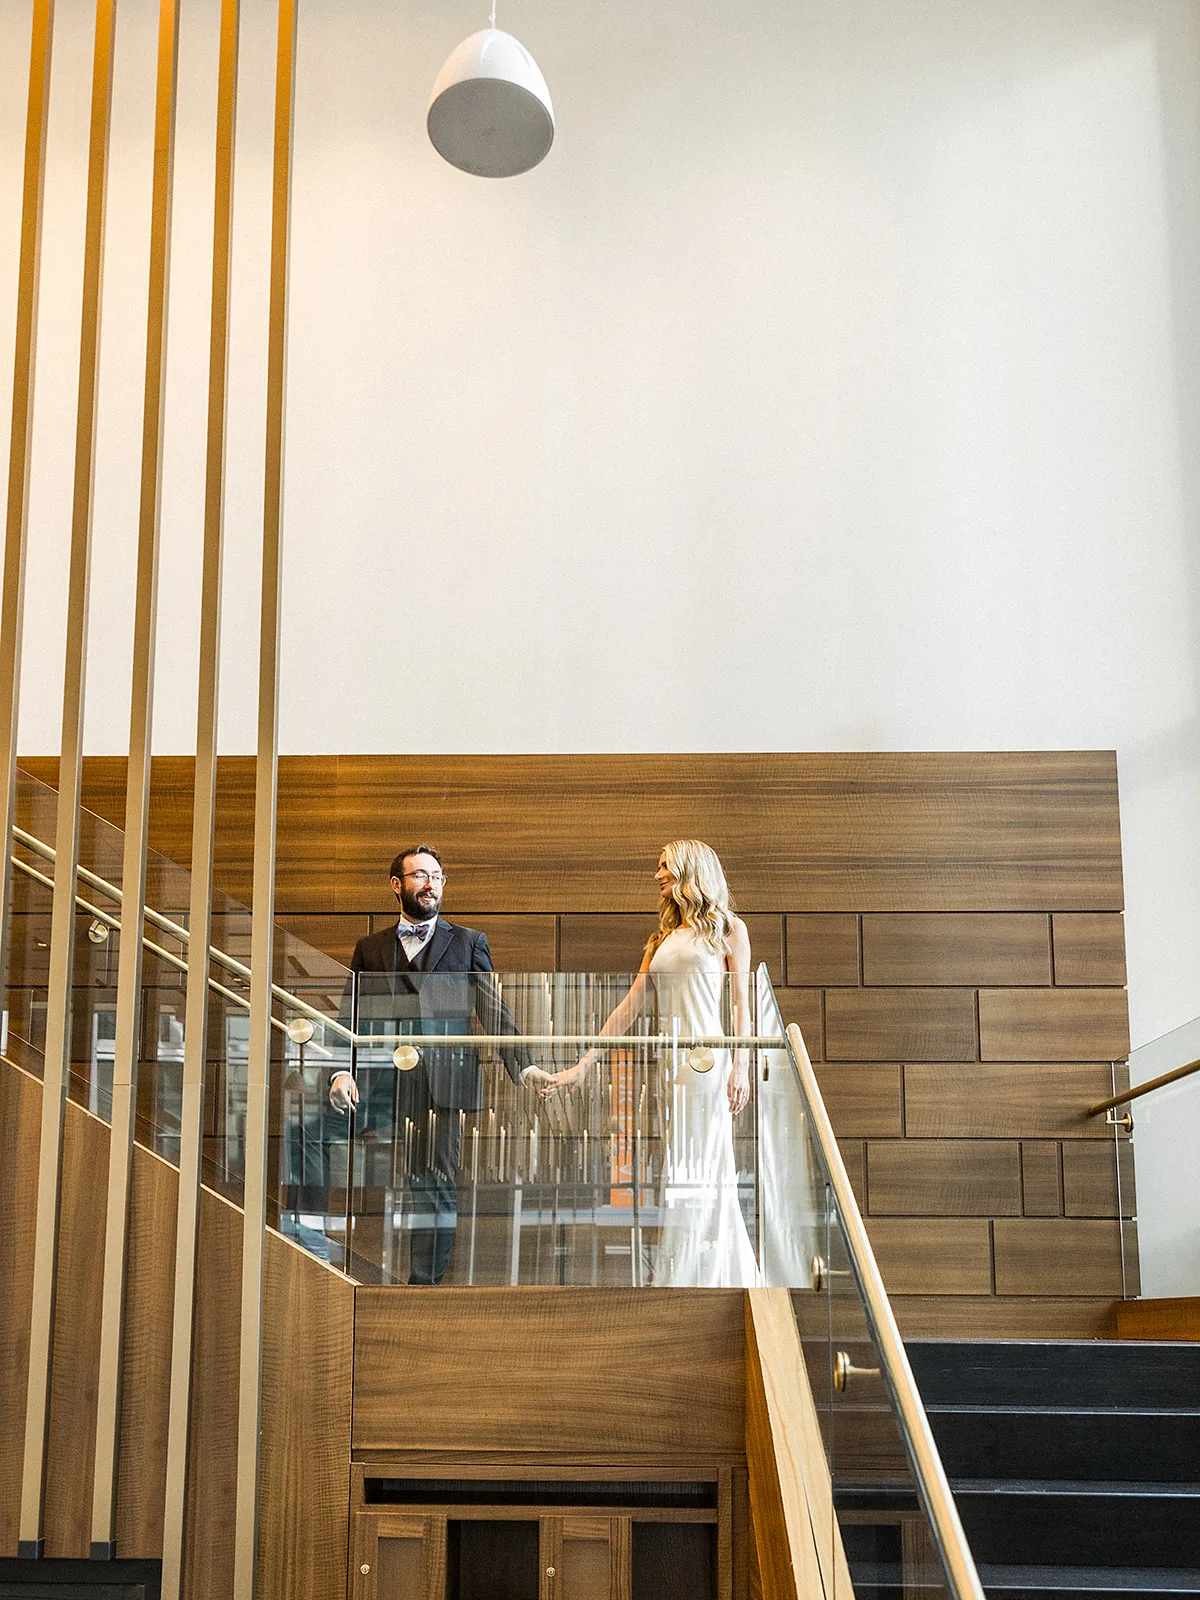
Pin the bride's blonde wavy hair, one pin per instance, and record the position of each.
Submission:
(699, 897)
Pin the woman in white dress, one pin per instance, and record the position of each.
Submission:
(698, 950)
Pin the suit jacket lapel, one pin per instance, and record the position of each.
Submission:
(438, 945)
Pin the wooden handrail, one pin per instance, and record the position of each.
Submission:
(1144, 1088)
(796, 1534)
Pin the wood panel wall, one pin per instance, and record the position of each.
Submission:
(946, 929)
(307, 1364)
(622, 1376)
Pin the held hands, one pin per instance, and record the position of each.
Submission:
(548, 1083)
(343, 1092)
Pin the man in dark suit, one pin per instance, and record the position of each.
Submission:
(425, 976)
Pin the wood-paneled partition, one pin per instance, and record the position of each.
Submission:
(307, 1365)
(946, 928)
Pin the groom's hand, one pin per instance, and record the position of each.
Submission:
(539, 1080)
(343, 1092)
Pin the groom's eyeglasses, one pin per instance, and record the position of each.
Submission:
(422, 878)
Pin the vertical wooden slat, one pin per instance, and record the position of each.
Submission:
(265, 793)
(200, 918)
(12, 597)
(137, 796)
(12, 607)
(62, 936)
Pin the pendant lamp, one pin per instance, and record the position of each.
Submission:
(490, 111)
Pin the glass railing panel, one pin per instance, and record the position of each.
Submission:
(637, 1170)
(886, 1478)
(883, 1524)
(309, 1152)
(1166, 1129)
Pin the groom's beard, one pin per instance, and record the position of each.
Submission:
(422, 904)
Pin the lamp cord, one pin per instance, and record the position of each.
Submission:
(493, 21)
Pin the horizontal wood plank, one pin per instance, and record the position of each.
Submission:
(822, 949)
(1053, 1024)
(1015, 1100)
(603, 942)
(806, 1008)
(1057, 1256)
(862, 1097)
(517, 943)
(1089, 948)
(1098, 1179)
(944, 1178)
(932, 1255)
(1172, 1318)
(908, 831)
(900, 1025)
(334, 935)
(966, 949)
(1041, 1178)
(605, 1371)
(1003, 1317)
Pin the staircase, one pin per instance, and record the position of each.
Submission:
(1075, 1466)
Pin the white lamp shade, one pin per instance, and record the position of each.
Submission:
(490, 111)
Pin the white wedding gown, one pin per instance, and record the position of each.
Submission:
(703, 1240)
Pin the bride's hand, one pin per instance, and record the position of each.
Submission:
(549, 1083)
(572, 1077)
(738, 1087)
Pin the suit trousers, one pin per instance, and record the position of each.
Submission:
(397, 1109)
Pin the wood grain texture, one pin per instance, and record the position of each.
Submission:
(76, 1358)
(1092, 1184)
(308, 1349)
(822, 949)
(599, 1374)
(335, 935)
(981, 1100)
(900, 1025)
(1159, 1319)
(1089, 948)
(20, 1135)
(806, 1008)
(854, 1157)
(863, 1097)
(1002, 1317)
(1041, 1178)
(1058, 1256)
(966, 949)
(212, 1447)
(958, 869)
(146, 1359)
(518, 944)
(932, 1255)
(603, 943)
(990, 831)
(944, 1177)
(1053, 1025)
(796, 1533)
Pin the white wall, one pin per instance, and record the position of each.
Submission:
(834, 384)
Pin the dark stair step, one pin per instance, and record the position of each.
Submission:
(1077, 1583)
(1127, 1374)
(880, 1580)
(1028, 1442)
(1052, 1522)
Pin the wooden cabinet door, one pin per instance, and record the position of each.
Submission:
(585, 1558)
(397, 1557)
